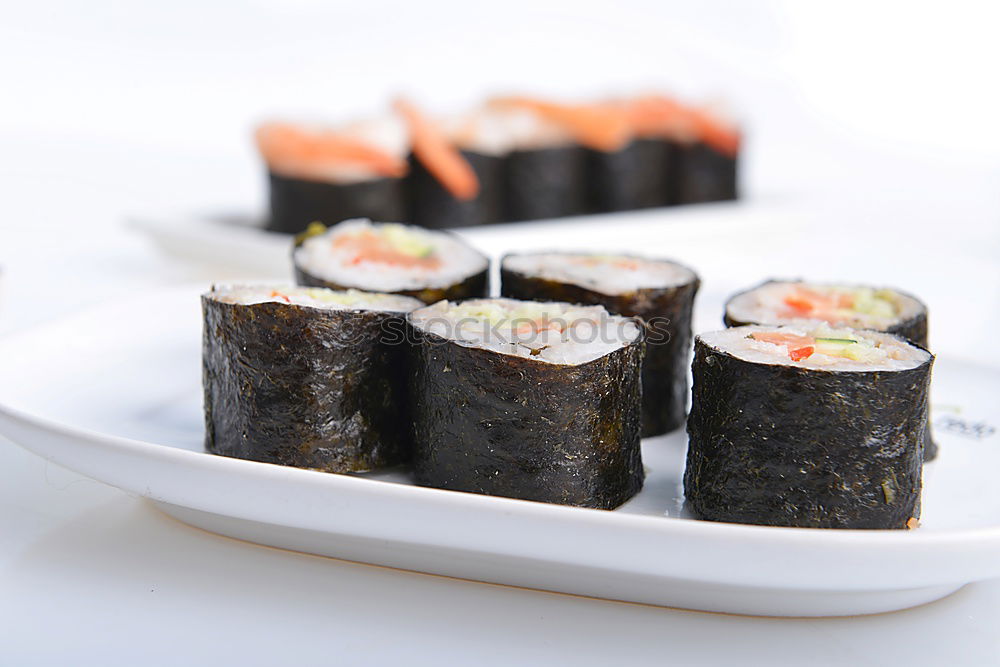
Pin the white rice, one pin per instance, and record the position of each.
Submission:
(318, 257)
(765, 304)
(886, 351)
(607, 274)
(313, 297)
(498, 131)
(503, 325)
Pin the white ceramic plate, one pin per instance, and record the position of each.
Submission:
(115, 394)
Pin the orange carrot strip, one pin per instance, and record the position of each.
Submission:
(800, 353)
(602, 126)
(439, 155)
(298, 149)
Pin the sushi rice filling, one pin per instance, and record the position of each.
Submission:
(552, 332)
(818, 347)
(313, 297)
(607, 274)
(853, 306)
(388, 256)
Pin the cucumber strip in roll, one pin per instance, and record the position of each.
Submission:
(529, 400)
(390, 257)
(306, 377)
(785, 431)
(660, 292)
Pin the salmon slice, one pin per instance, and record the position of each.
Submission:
(605, 127)
(297, 149)
(713, 131)
(654, 115)
(367, 246)
(439, 155)
(799, 347)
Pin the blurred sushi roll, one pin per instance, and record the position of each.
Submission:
(637, 174)
(807, 426)
(392, 258)
(306, 377)
(660, 292)
(707, 158)
(538, 401)
(329, 174)
(777, 302)
(546, 171)
(456, 170)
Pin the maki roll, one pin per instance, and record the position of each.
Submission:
(329, 174)
(807, 426)
(546, 171)
(707, 159)
(638, 174)
(306, 377)
(538, 401)
(456, 175)
(390, 257)
(658, 291)
(778, 302)
(856, 306)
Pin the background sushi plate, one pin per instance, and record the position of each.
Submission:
(114, 393)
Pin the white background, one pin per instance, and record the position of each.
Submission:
(880, 120)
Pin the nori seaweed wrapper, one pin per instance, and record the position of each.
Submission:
(546, 183)
(704, 174)
(498, 424)
(667, 315)
(913, 329)
(296, 202)
(432, 206)
(474, 286)
(633, 177)
(305, 387)
(781, 445)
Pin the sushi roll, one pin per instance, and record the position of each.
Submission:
(638, 174)
(546, 173)
(306, 377)
(538, 401)
(856, 306)
(325, 174)
(456, 174)
(807, 426)
(861, 307)
(707, 158)
(658, 291)
(390, 257)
